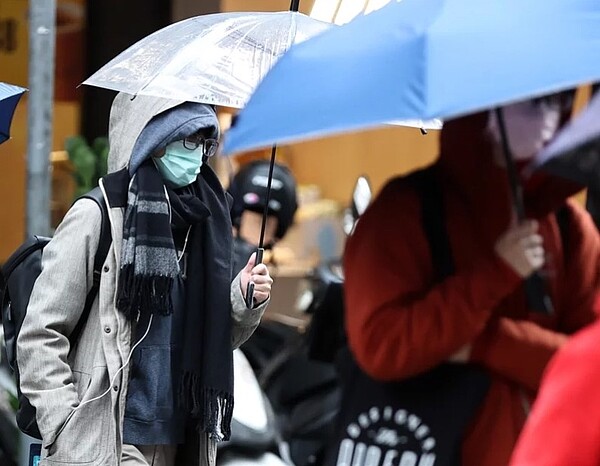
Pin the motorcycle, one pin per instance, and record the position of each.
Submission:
(255, 439)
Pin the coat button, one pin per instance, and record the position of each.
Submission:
(107, 330)
(116, 388)
(106, 268)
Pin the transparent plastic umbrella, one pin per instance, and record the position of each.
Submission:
(216, 59)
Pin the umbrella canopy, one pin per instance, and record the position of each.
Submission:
(9, 98)
(422, 59)
(215, 59)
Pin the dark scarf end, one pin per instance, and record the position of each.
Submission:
(213, 408)
(143, 294)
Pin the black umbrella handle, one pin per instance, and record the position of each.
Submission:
(250, 287)
(538, 298)
(535, 286)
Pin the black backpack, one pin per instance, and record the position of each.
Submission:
(17, 277)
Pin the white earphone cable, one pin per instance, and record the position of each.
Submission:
(120, 369)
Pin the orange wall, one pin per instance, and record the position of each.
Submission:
(264, 5)
(13, 68)
(12, 170)
(335, 163)
(12, 187)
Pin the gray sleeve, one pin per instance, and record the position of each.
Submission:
(244, 320)
(55, 306)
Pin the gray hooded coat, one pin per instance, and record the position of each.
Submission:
(78, 424)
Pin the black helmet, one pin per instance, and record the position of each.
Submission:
(249, 191)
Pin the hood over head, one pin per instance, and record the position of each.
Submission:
(139, 126)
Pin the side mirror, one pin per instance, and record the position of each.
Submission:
(361, 198)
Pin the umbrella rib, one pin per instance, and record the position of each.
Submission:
(215, 59)
(153, 77)
(293, 25)
(149, 81)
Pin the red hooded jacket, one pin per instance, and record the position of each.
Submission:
(399, 324)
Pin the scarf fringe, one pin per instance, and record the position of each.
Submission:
(213, 408)
(143, 293)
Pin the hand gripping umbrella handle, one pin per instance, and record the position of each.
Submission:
(538, 298)
(250, 287)
(260, 250)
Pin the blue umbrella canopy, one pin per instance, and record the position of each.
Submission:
(9, 98)
(422, 59)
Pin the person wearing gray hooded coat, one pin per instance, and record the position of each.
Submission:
(149, 381)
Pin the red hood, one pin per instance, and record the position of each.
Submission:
(468, 166)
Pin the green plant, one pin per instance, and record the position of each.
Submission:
(90, 163)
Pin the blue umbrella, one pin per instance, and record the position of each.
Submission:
(422, 59)
(425, 59)
(9, 98)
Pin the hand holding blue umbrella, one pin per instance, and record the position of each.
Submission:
(9, 98)
(424, 59)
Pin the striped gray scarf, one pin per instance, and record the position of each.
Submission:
(148, 256)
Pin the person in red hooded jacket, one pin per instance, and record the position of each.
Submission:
(400, 325)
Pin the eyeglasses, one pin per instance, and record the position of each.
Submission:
(209, 145)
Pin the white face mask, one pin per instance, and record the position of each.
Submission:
(529, 126)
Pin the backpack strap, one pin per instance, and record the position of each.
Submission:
(101, 253)
(427, 186)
